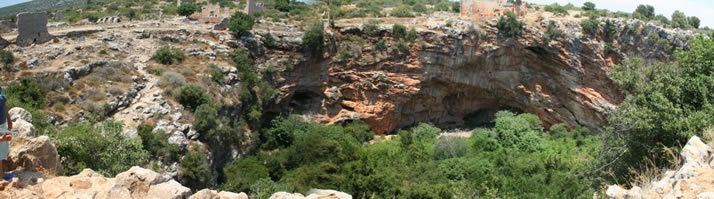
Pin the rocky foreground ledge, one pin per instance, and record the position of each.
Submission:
(37, 165)
(135, 183)
(692, 180)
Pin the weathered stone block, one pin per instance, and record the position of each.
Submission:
(32, 29)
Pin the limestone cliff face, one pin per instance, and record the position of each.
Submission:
(451, 76)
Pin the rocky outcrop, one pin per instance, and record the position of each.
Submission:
(692, 180)
(459, 74)
(135, 183)
(34, 154)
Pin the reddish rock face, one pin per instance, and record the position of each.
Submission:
(454, 79)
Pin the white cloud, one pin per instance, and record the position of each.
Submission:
(704, 9)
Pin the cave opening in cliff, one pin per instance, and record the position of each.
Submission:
(305, 102)
(483, 118)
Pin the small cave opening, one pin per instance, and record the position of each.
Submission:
(303, 102)
(484, 118)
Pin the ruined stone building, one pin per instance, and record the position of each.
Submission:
(253, 7)
(212, 14)
(32, 29)
(477, 9)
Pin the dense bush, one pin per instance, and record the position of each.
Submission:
(590, 26)
(217, 74)
(102, 148)
(381, 45)
(6, 57)
(694, 21)
(186, 9)
(265, 187)
(515, 159)
(171, 82)
(243, 173)
(241, 24)
(399, 31)
(510, 26)
(313, 37)
(192, 96)
(666, 104)
(412, 35)
(168, 55)
(662, 19)
(25, 93)
(371, 28)
(156, 143)
(196, 169)
(557, 9)
(402, 11)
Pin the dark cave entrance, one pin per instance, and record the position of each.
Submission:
(483, 118)
(305, 102)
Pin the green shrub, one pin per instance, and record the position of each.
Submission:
(192, 96)
(590, 26)
(419, 8)
(694, 21)
(25, 93)
(371, 28)
(103, 149)
(168, 55)
(449, 147)
(243, 173)
(412, 35)
(510, 26)
(552, 32)
(443, 6)
(425, 131)
(399, 31)
(241, 24)
(313, 37)
(171, 82)
(196, 169)
(6, 57)
(217, 74)
(156, 143)
(380, 45)
(186, 9)
(265, 187)
(402, 11)
(557, 9)
(662, 19)
(401, 47)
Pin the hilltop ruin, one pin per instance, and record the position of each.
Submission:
(478, 9)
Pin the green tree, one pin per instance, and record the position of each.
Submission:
(662, 19)
(186, 9)
(510, 26)
(241, 24)
(588, 6)
(646, 12)
(694, 21)
(205, 121)
(192, 96)
(156, 143)
(679, 20)
(314, 36)
(196, 169)
(590, 26)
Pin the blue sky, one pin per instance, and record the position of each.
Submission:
(704, 9)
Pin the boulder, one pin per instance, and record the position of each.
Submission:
(211, 194)
(231, 195)
(615, 192)
(20, 113)
(137, 182)
(3, 43)
(168, 190)
(24, 128)
(694, 155)
(286, 195)
(327, 194)
(35, 153)
(706, 195)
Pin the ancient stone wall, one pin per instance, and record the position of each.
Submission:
(179, 2)
(32, 29)
(212, 14)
